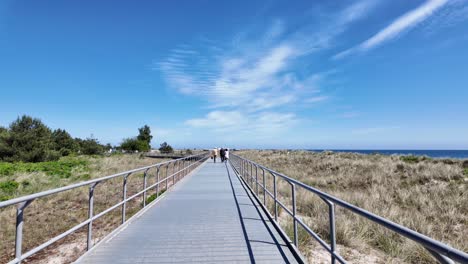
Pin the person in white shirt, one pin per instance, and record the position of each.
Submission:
(226, 154)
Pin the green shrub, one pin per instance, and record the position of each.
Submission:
(5, 198)
(29, 140)
(6, 168)
(90, 146)
(9, 187)
(166, 148)
(134, 144)
(465, 171)
(62, 168)
(410, 159)
(152, 197)
(64, 143)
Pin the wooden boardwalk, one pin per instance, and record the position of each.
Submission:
(208, 217)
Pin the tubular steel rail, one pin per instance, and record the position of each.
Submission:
(183, 165)
(249, 172)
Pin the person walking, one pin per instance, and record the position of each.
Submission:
(222, 153)
(215, 154)
(226, 155)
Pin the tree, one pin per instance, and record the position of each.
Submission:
(27, 139)
(63, 142)
(133, 144)
(145, 136)
(90, 146)
(6, 152)
(30, 141)
(140, 143)
(165, 148)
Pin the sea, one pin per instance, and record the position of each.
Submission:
(456, 154)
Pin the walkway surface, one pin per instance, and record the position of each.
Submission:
(208, 217)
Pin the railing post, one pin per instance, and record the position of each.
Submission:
(19, 229)
(256, 178)
(181, 169)
(184, 165)
(251, 175)
(167, 170)
(157, 181)
(144, 187)
(264, 188)
(89, 241)
(275, 197)
(243, 168)
(331, 207)
(293, 192)
(242, 162)
(178, 170)
(173, 173)
(247, 173)
(124, 197)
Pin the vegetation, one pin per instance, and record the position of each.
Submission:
(90, 146)
(7, 189)
(426, 195)
(410, 159)
(141, 143)
(61, 168)
(145, 136)
(67, 209)
(35, 158)
(166, 148)
(64, 143)
(133, 145)
(153, 196)
(27, 139)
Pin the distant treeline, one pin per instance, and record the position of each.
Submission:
(27, 139)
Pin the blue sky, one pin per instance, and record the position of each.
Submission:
(256, 74)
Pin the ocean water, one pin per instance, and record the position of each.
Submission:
(458, 154)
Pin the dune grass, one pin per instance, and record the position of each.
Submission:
(424, 194)
(49, 216)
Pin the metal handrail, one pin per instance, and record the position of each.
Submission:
(184, 166)
(244, 167)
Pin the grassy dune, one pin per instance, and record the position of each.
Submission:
(49, 216)
(426, 195)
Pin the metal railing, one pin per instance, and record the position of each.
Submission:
(180, 168)
(249, 173)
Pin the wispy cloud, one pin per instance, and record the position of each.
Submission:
(397, 27)
(316, 99)
(218, 120)
(254, 77)
(245, 124)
